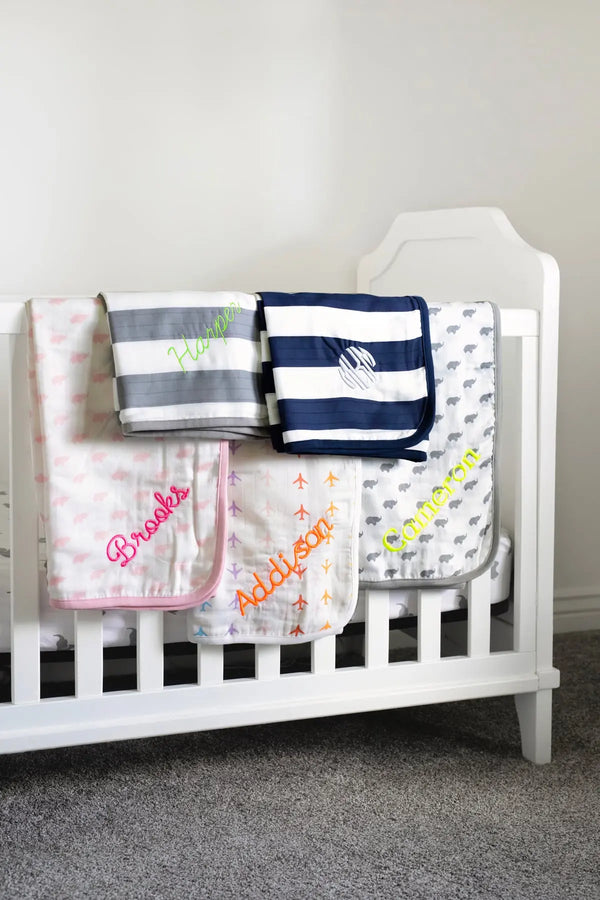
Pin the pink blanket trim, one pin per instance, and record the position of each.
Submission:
(182, 601)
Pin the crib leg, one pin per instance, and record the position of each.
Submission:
(535, 721)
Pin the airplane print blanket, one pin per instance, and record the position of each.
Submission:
(127, 524)
(291, 573)
(437, 522)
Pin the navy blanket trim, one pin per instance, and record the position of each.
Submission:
(379, 449)
(360, 302)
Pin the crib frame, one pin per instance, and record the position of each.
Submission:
(461, 254)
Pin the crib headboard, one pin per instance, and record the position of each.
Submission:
(461, 254)
(475, 254)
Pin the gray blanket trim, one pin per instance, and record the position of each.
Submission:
(171, 323)
(220, 426)
(176, 388)
(465, 576)
(231, 434)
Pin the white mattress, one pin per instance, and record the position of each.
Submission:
(119, 626)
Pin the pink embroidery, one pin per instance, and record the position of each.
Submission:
(122, 549)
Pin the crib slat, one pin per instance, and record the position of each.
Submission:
(24, 603)
(526, 501)
(88, 653)
(429, 630)
(377, 629)
(267, 661)
(150, 652)
(210, 664)
(478, 625)
(323, 655)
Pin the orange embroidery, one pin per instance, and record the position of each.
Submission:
(302, 549)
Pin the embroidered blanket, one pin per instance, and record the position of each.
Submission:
(127, 524)
(347, 374)
(187, 363)
(291, 573)
(437, 522)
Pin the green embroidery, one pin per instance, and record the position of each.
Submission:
(220, 326)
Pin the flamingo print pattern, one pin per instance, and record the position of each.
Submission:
(93, 484)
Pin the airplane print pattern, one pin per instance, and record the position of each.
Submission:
(291, 571)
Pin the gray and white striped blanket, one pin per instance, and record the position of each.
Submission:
(187, 363)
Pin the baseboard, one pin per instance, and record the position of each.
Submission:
(576, 609)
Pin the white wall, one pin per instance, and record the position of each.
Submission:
(268, 144)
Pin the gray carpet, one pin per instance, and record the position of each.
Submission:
(434, 802)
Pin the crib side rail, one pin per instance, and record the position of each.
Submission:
(12, 314)
(24, 584)
(93, 715)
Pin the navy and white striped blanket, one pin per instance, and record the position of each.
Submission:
(187, 363)
(347, 374)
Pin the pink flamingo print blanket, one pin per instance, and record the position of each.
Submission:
(127, 524)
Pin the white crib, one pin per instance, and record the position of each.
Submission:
(462, 254)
